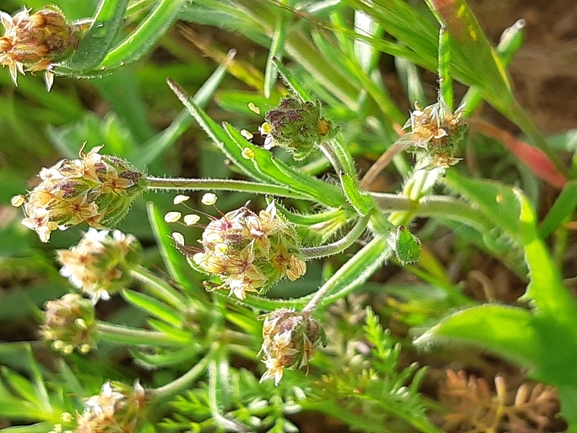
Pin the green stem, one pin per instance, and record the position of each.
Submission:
(159, 288)
(436, 205)
(352, 274)
(135, 336)
(182, 184)
(184, 381)
(329, 152)
(338, 246)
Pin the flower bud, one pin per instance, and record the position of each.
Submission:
(436, 133)
(100, 264)
(249, 252)
(33, 42)
(116, 409)
(69, 323)
(289, 341)
(297, 127)
(96, 189)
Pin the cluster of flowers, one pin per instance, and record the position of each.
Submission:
(297, 126)
(289, 341)
(435, 133)
(100, 264)
(249, 252)
(96, 189)
(116, 409)
(69, 324)
(33, 42)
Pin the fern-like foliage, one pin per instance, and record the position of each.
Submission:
(375, 394)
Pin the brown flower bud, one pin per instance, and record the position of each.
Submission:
(289, 341)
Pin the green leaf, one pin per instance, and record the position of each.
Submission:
(562, 209)
(546, 288)
(406, 246)
(145, 36)
(498, 202)
(275, 52)
(359, 200)
(98, 39)
(153, 307)
(508, 331)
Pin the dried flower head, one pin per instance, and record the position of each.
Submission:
(100, 264)
(249, 252)
(95, 189)
(435, 133)
(33, 42)
(115, 410)
(475, 408)
(297, 127)
(289, 341)
(69, 324)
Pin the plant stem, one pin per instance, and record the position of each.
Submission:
(159, 288)
(338, 246)
(135, 336)
(327, 149)
(435, 205)
(182, 184)
(352, 274)
(184, 381)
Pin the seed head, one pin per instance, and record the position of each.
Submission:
(69, 324)
(116, 409)
(436, 133)
(289, 341)
(297, 127)
(249, 252)
(34, 42)
(95, 189)
(100, 264)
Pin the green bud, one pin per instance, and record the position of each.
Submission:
(297, 127)
(69, 323)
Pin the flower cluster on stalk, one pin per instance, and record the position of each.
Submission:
(69, 324)
(435, 133)
(100, 264)
(249, 252)
(33, 42)
(297, 126)
(289, 341)
(116, 409)
(95, 189)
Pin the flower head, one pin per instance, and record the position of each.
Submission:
(249, 252)
(435, 133)
(33, 42)
(116, 409)
(297, 127)
(95, 189)
(100, 264)
(69, 324)
(289, 341)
